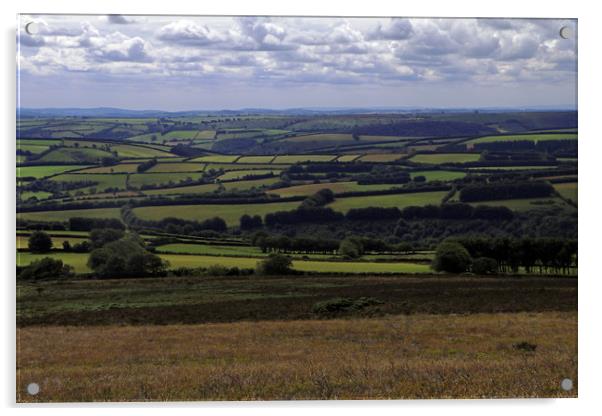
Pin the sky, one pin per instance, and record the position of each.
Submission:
(177, 63)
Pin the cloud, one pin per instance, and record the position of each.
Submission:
(119, 19)
(279, 51)
(395, 29)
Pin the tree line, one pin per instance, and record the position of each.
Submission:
(506, 190)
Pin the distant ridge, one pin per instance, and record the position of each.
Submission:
(104, 112)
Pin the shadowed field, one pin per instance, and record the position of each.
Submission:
(418, 356)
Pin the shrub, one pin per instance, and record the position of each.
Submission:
(451, 257)
(39, 242)
(275, 264)
(337, 306)
(351, 248)
(484, 265)
(46, 268)
(525, 346)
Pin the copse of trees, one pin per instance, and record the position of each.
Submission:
(506, 190)
(457, 211)
(144, 166)
(543, 255)
(301, 215)
(46, 268)
(100, 237)
(39, 242)
(373, 214)
(319, 199)
(451, 257)
(125, 257)
(88, 224)
(275, 264)
(305, 245)
(248, 222)
(384, 175)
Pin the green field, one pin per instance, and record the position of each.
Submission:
(57, 241)
(239, 174)
(103, 181)
(176, 167)
(439, 175)
(513, 167)
(129, 151)
(226, 167)
(216, 158)
(567, 190)
(381, 157)
(192, 189)
(44, 171)
(251, 183)
(79, 260)
(33, 148)
(439, 158)
(336, 187)
(74, 155)
(521, 137)
(385, 201)
(174, 134)
(255, 159)
(210, 249)
(39, 195)
(322, 138)
(291, 159)
(230, 213)
(119, 168)
(66, 214)
(526, 203)
(347, 158)
(140, 179)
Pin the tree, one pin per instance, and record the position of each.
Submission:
(451, 257)
(484, 265)
(100, 237)
(46, 268)
(125, 258)
(275, 264)
(39, 242)
(351, 248)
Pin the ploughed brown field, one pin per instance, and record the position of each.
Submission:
(392, 357)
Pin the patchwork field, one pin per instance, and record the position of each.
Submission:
(44, 171)
(239, 174)
(384, 157)
(230, 213)
(292, 159)
(440, 158)
(337, 187)
(103, 181)
(255, 159)
(567, 190)
(126, 150)
(216, 158)
(66, 214)
(176, 167)
(74, 155)
(438, 175)
(522, 137)
(396, 200)
(142, 179)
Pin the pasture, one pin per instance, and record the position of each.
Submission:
(567, 190)
(176, 167)
(103, 181)
(523, 137)
(441, 158)
(130, 151)
(292, 159)
(385, 201)
(141, 179)
(439, 175)
(239, 174)
(64, 215)
(216, 158)
(229, 213)
(336, 187)
(255, 159)
(39, 172)
(74, 155)
(119, 168)
(381, 157)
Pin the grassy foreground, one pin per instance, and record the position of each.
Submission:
(416, 356)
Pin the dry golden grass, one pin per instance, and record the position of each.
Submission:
(415, 356)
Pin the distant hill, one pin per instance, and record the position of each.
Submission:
(104, 112)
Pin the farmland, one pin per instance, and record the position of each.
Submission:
(220, 241)
(522, 137)
(399, 200)
(441, 158)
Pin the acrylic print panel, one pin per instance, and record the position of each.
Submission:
(279, 208)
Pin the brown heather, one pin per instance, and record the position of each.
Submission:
(393, 357)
